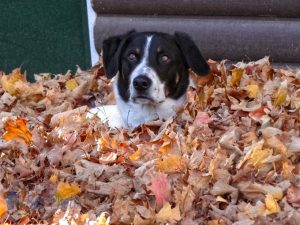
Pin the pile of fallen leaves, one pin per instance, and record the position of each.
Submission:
(231, 156)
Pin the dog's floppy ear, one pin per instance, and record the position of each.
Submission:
(111, 48)
(191, 53)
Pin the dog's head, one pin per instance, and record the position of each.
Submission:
(152, 66)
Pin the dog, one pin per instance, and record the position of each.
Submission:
(151, 74)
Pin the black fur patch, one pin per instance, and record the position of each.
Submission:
(170, 56)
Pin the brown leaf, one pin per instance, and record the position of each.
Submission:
(293, 194)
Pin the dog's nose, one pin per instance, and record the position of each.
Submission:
(141, 83)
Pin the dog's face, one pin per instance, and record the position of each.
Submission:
(152, 66)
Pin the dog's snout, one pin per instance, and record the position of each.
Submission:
(141, 83)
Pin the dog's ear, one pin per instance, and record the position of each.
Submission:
(191, 53)
(111, 48)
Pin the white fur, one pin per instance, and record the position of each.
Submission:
(109, 114)
(134, 114)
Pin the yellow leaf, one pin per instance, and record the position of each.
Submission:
(258, 154)
(136, 155)
(252, 90)
(167, 214)
(71, 84)
(84, 217)
(65, 190)
(171, 163)
(54, 178)
(3, 206)
(271, 204)
(16, 129)
(103, 219)
(8, 82)
(237, 74)
(281, 94)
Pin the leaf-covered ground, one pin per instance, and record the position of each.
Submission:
(231, 156)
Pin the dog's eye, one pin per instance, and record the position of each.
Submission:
(164, 59)
(132, 57)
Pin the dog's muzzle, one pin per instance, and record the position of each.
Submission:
(141, 86)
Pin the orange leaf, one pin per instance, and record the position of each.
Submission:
(257, 114)
(16, 129)
(167, 145)
(3, 206)
(171, 163)
(135, 155)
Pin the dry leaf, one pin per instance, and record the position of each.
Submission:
(3, 206)
(16, 129)
(271, 204)
(171, 164)
(229, 156)
(293, 194)
(65, 190)
(8, 82)
(71, 84)
(103, 219)
(237, 74)
(252, 90)
(281, 94)
(201, 119)
(54, 178)
(136, 155)
(167, 145)
(168, 214)
(216, 222)
(161, 188)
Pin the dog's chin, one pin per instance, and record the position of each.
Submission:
(143, 100)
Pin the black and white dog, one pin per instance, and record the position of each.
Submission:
(151, 73)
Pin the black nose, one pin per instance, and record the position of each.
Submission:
(141, 83)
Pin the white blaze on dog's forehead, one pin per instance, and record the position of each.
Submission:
(147, 49)
(156, 91)
(142, 67)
